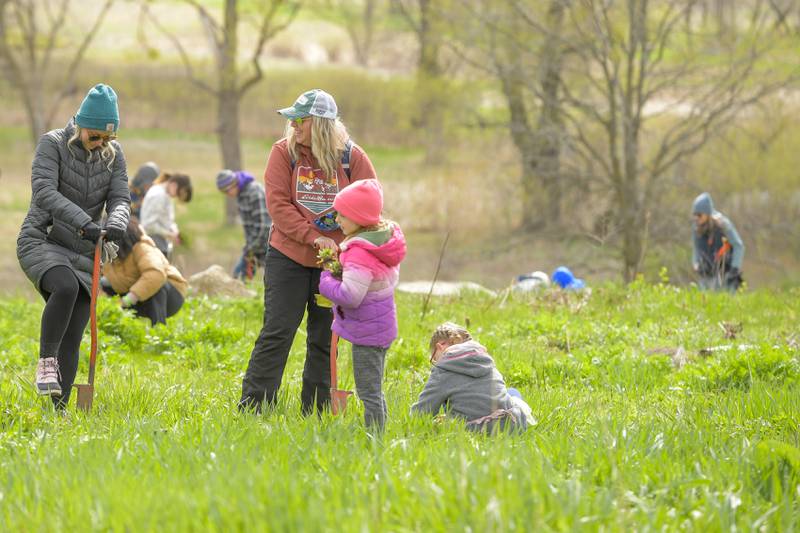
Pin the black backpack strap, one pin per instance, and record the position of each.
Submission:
(348, 147)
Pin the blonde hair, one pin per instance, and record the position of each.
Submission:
(328, 140)
(106, 152)
(449, 332)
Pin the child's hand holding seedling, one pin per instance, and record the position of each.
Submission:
(327, 259)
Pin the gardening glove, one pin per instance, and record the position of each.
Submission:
(249, 266)
(110, 251)
(90, 232)
(240, 268)
(129, 300)
(114, 234)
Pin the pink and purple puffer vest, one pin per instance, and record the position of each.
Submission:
(364, 310)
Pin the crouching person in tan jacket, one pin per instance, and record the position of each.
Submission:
(148, 283)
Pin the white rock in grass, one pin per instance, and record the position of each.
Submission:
(443, 288)
(215, 281)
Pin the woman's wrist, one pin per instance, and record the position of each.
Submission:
(130, 299)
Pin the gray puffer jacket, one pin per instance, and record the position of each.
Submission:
(67, 193)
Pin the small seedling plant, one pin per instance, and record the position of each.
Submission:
(328, 259)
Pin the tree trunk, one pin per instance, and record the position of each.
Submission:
(34, 108)
(532, 197)
(548, 168)
(539, 151)
(228, 135)
(722, 11)
(632, 231)
(228, 103)
(633, 208)
(429, 86)
(361, 36)
(540, 146)
(549, 129)
(522, 136)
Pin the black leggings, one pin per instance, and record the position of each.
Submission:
(64, 319)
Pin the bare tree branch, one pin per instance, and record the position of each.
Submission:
(405, 12)
(266, 32)
(16, 78)
(69, 82)
(209, 21)
(29, 39)
(55, 26)
(185, 59)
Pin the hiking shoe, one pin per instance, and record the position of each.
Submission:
(47, 377)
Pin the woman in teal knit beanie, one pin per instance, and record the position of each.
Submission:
(78, 173)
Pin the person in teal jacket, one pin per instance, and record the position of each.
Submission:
(718, 250)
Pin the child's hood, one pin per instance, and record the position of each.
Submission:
(387, 245)
(469, 358)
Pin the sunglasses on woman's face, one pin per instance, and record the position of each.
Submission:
(299, 121)
(104, 138)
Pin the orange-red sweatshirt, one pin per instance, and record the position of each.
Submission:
(297, 196)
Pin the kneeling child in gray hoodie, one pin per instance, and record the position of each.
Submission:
(466, 382)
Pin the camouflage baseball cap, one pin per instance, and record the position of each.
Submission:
(315, 102)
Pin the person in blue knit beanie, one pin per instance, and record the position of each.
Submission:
(252, 203)
(78, 173)
(99, 112)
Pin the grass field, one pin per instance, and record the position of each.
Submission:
(624, 439)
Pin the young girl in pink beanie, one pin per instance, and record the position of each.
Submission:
(364, 309)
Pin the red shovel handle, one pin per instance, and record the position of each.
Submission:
(98, 250)
(334, 355)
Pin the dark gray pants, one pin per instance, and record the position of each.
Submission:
(368, 362)
(162, 305)
(290, 290)
(159, 307)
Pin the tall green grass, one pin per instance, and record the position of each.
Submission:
(624, 440)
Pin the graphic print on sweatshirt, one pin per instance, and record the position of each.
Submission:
(315, 190)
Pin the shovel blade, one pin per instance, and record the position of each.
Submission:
(339, 400)
(85, 396)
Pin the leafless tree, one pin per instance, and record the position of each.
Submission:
(621, 80)
(783, 12)
(424, 17)
(521, 45)
(230, 83)
(360, 20)
(31, 39)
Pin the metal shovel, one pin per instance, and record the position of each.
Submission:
(86, 390)
(338, 397)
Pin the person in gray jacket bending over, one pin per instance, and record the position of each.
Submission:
(77, 173)
(466, 382)
(718, 251)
